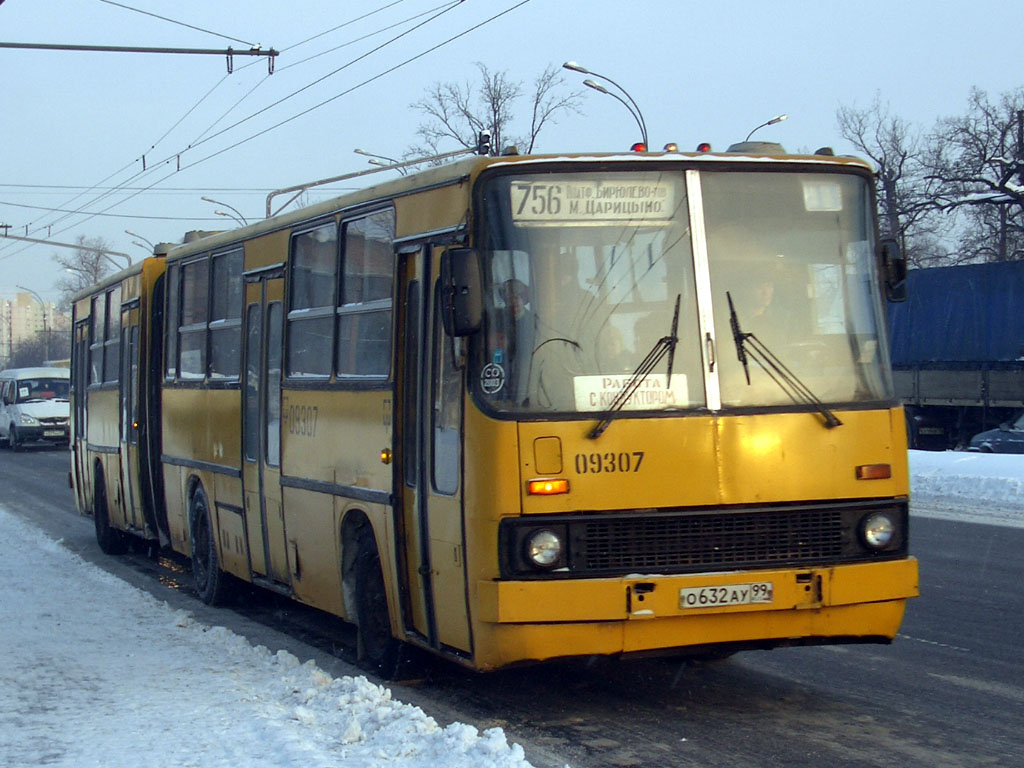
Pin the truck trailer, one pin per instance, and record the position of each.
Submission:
(957, 346)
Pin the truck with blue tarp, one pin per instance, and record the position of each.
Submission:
(957, 346)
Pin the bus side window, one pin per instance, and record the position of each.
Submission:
(446, 413)
(311, 301)
(365, 299)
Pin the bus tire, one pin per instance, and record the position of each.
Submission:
(211, 583)
(13, 440)
(111, 540)
(376, 649)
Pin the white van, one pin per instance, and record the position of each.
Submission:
(34, 406)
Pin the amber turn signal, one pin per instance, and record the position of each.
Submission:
(874, 471)
(547, 487)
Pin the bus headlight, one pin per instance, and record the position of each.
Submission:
(544, 548)
(878, 531)
(27, 421)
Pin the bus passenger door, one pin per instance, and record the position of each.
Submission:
(79, 434)
(411, 550)
(129, 437)
(429, 413)
(261, 429)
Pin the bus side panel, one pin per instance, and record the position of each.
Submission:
(211, 438)
(311, 540)
(102, 420)
(175, 482)
(334, 438)
(226, 497)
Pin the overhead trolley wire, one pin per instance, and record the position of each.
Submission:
(144, 172)
(176, 156)
(349, 90)
(180, 23)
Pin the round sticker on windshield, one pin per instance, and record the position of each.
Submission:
(492, 379)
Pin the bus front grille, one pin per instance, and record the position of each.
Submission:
(620, 543)
(701, 541)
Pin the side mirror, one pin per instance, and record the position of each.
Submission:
(894, 265)
(462, 307)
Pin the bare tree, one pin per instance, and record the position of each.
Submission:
(460, 112)
(978, 159)
(905, 191)
(83, 267)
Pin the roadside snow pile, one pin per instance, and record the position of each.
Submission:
(95, 672)
(980, 487)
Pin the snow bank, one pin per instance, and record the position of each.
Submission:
(94, 672)
(976, 487)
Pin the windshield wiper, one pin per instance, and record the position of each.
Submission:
(748, 346)
(664, 345)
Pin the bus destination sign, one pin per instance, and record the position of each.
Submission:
(591, 201)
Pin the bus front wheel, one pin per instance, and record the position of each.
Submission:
(111, 540)
(377, 650)
(212, 584)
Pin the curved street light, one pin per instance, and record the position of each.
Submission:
(231, 216)
(773, 121)
(376, 160)
(634, 110)
(140, 237)
(238, 217)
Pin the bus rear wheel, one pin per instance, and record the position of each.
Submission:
(377, 650)
(212, 584)
(111, 540)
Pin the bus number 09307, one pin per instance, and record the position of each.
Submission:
(597, 463)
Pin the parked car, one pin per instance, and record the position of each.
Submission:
(34, 406)
(1008, 438)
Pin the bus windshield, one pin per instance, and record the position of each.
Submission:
(583, 272)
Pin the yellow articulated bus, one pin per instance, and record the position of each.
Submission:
(519, 408)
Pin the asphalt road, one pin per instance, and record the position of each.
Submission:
(949, 691)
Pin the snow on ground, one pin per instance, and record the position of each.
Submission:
(976, 487)
(95, 672)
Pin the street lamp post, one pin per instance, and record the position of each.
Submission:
(633, 110)
(140, 237)
(238, 217)
(42, 306)
(376, 160)
(773, 121)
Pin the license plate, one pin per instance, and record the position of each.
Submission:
(53, 433)
(729, 594)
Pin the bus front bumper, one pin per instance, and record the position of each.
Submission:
(535, 620)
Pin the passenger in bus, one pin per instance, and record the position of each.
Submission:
(762, 309)
(511, 338)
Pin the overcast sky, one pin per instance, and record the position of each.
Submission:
(699, 71)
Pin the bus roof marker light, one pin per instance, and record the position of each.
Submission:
(551, 487)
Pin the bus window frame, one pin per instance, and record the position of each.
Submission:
(333, 379)
(295, 317)
(219, 327)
